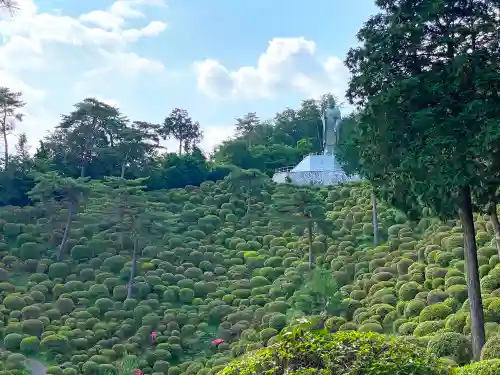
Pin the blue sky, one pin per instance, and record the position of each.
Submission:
(218, 59)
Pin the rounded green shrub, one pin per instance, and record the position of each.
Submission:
(278, 321)
(409, 290)
(427, 328)
(438, 311)
(58, 270)
(30, 345)
(12, 341)
(371, 327)
(413, 308)
(491, 349)
(56, 344)
(32, 327)
(457, 322)
(407, 329)
(13, 302)
(452, 345)
(29, 250)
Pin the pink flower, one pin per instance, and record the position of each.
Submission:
(217, 341)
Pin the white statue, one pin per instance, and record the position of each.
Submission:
(331, 127)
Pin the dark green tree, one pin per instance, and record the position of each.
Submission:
(136, 144)
(302, 207)
(246, 127)
(170, 171)
(319, 294)
(305, 146)
(10, 105)
(348, 153)
(487, 194)
(249, 184)
(126, 205)
(52, 189)
(180, 126)
(90, 127)
(428, 77)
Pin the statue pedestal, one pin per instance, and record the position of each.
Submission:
(314, 170)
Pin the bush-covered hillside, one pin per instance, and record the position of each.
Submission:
(186, 265)
(229, 260)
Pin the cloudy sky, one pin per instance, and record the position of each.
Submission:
(218, 59)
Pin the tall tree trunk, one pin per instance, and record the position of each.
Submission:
(249, 208)
(5, 140)
(471, 263)
(69, 221)
(124, 167)
(180, 146)
(376, 240)
(5, 149)
(310, 240)
(496, 225)
(133, 268)
(82, 171)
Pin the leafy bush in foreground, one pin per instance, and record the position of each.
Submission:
(343, 353)
(490, 367)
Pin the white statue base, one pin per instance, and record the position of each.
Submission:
(314, 170)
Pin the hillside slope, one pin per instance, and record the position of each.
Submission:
(206, 271)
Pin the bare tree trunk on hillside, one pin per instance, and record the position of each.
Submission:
(133, 268)
(247, 218)
(69, 221)
(249, 206)
(310, 240)
(376, 240)
(124, 167)
(496, 225)
(5, 140)
(471, 263)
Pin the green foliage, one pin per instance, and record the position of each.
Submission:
(30, 345)
(340, 353)
(282, 142)
(405, 131)
(249, 279)
(12, 341)
(490, 367)
(319, 294)
(180, 126)
(452, 345)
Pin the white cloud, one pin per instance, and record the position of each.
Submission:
(214, 135)
(96, 44)
(126, 64)
(287, 64)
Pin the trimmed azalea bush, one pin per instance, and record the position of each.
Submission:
(205, 271)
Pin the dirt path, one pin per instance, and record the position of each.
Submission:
(37, 367)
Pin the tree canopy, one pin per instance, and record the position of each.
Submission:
(426, 79)
(95, 140)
